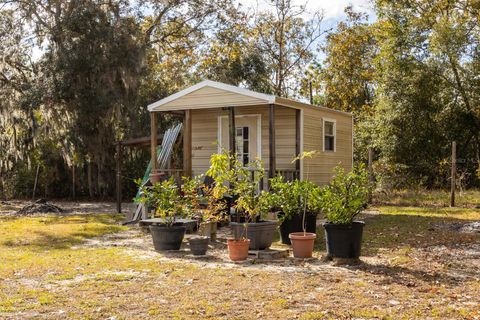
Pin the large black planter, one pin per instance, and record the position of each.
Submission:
(260, 233)
(344, 240)
(167, 238)
(294, 224)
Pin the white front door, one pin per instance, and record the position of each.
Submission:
(247, 136)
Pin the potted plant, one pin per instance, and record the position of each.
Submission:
(286, 198)
(165, 198)
(252, 204)
(191, 197)
(302, 242)
(201, 205)
(342, 200)
(242, 182)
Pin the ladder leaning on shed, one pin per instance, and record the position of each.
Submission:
(164, 153)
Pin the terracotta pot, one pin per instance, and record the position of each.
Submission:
(238, 249)
(155, 177)
(302, 244)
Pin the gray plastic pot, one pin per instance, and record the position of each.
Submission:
(260, 233)
(199, 245)
(167, 238)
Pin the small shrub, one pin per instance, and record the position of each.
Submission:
(346, 195)
(165, 198)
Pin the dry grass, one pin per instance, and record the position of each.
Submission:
(413, 268)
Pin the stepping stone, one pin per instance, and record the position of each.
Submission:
(269, 254)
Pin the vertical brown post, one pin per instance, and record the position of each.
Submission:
(119, 177)
(187, 143)
(231, 130)
(454, 173)
(153, 140)
(298, 114)
(271, 142)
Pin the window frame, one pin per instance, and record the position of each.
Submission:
(243, 143)
(334, 121)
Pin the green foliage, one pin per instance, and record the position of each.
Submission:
(165, 198)
(427, 75)
(199, 200)
(289, 196)
(346, 195)
(231, 176)
(348, 72)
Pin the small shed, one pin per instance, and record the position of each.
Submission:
(256, 125)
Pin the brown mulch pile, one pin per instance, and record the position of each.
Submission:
(39, 206)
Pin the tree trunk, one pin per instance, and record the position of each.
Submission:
(89, 179)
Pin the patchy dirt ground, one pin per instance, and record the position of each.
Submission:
(10, 207)
(84, 265)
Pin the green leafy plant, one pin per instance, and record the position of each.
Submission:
(199, 201)
(288, 197)
(165, 198)
(346, 195)
(241, 182)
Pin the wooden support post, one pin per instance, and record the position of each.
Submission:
(298, 123)
(231, 130)
(271, 142)
(187, 143)
(153, 140)
(454, 173)
(119, 177)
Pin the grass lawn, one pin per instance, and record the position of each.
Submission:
(415, 265)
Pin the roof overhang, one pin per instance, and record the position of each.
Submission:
(225, 96)
(260, 98)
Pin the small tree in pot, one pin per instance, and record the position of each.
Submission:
(296, 197)
(343, 200)
(242, 182)
(287, 198)
(253, 205)
(165, 198)
(201, 205)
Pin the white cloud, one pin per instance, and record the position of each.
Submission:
(333, 9)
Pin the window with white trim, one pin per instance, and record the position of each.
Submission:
(241, 142)
(329, 135)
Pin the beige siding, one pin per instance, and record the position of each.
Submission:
(209, 97)
(320, 167)
(205, 135)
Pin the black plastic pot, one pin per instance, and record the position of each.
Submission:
(260, 233)
(294, 224)
(167, 238)
(240, 217)
(344, 240)
(199, 245)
